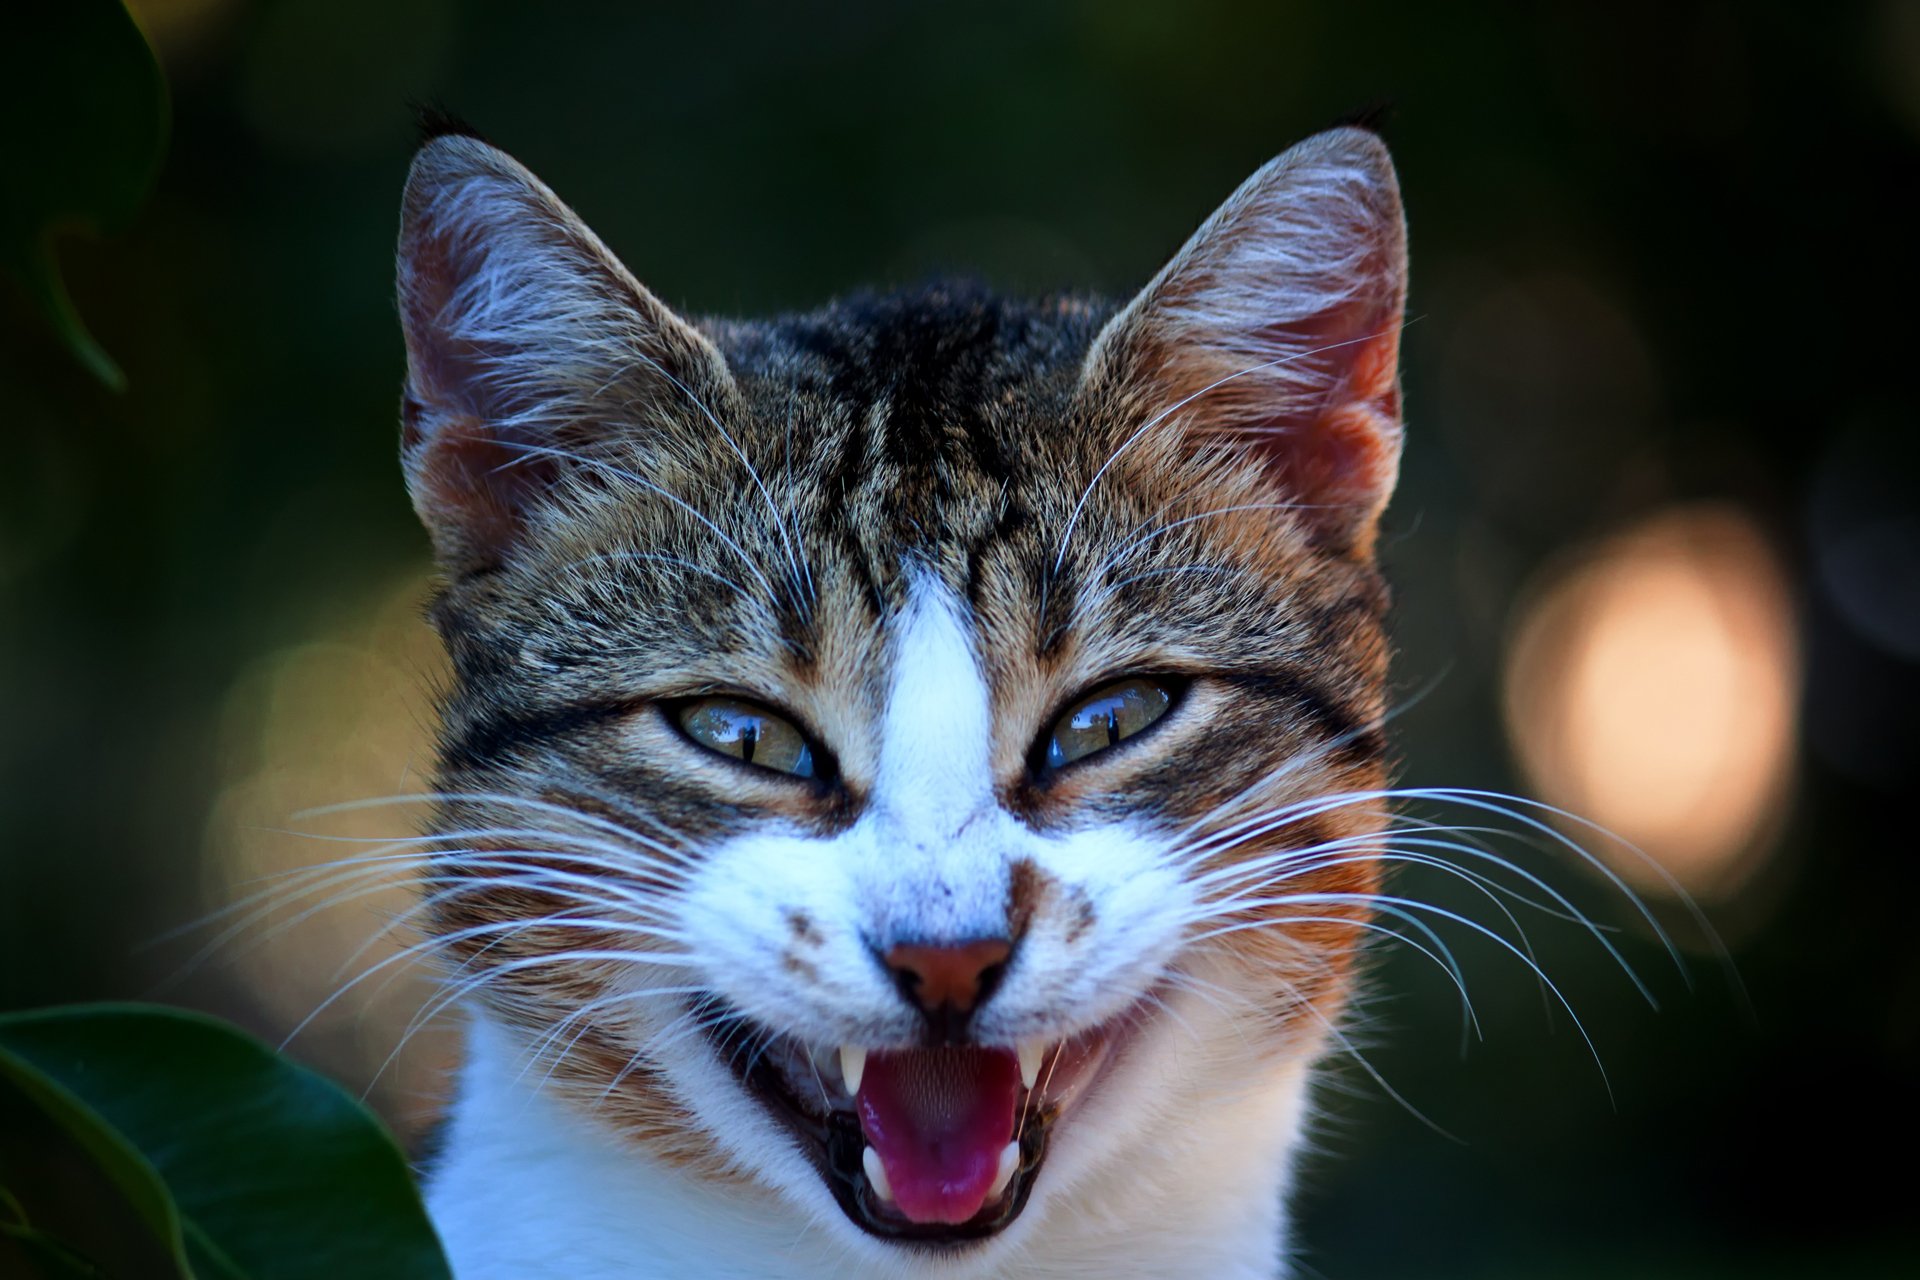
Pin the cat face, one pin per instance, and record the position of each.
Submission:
(902, 754)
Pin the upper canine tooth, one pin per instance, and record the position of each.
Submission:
(1009, 1161)
(1030, 1054)
(853, 1065)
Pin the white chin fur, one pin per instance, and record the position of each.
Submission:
(1176, 1166)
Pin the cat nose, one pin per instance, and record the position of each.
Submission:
(948, 984)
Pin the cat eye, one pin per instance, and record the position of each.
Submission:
(1106, 716)
(749, 733)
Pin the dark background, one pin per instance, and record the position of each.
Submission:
(1662, 256)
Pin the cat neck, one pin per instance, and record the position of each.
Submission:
(527, 1187)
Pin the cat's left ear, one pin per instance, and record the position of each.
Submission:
(1277, 329)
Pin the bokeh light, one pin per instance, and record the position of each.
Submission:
(1651, 687)
(324, 742)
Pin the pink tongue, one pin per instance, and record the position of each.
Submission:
(939, 1118)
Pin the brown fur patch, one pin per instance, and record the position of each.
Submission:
(804, 930)
(1030, 890)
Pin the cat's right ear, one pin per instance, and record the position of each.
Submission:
(528, 344)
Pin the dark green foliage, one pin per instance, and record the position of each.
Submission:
(242, 1165)
(84, 110)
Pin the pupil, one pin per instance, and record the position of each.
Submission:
(749, 737)
(1113, 725)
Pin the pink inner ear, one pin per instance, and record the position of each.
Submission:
(1339, 456)
(471, 484)
(1276, 328)
(470, 487)
(1323, 419)
(451, 375)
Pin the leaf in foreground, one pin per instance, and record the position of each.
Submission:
(244, 1165)
(83, 123)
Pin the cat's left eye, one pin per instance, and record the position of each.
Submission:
(749, 733)
(1106, 716)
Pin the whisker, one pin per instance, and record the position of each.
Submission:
(617, 557)
(600, 464)
(1404, 907)
(786, 537)
(1066, 535)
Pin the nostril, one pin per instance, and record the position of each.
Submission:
(948, 983)
(907, 982)
(990, 981)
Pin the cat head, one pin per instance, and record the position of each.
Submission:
(902, 755)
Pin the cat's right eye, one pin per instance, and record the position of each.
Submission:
(747, 732)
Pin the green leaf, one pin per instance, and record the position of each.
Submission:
(145, 1193)
(83, 124)
(243, 1165)
(49, 1256)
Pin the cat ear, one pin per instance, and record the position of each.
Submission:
(1277, 329)
(526, 340)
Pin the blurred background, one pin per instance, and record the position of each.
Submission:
(1656, 548)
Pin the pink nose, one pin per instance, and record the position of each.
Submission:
(947, 983)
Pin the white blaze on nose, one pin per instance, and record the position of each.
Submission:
(934, 752)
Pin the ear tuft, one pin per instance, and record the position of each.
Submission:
(432, 120)
(1277, 328)
(1371, 116)
(527, 344)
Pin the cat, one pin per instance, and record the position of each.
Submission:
(910, 790)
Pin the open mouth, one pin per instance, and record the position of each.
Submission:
(936, 1145)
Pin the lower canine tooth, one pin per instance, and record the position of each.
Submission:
(1009, 1161)
(1030, 1055)
(853, 1065)
(877, 1173)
